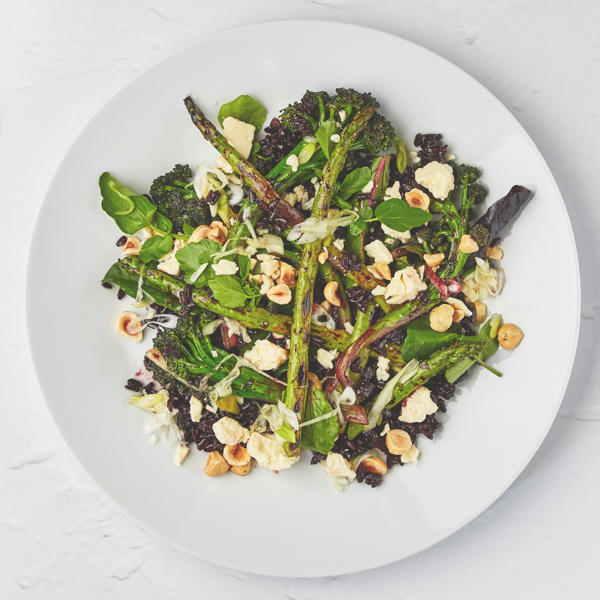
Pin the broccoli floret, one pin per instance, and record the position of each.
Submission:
(303, 116)
(468, 172)
(424, 234)
(176, 199)
(378, 135)
(480, 234)
(477, 192)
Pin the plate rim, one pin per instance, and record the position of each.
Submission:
(303, 23)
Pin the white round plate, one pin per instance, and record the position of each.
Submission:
(294, 523)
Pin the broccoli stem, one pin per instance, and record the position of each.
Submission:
(259, 318)
(328, 274)
(295, 396)
(408, 312)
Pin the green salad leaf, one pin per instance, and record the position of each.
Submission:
(401, 155)
(398, 215)
(422, 341)
(319, 436)
(243, 263)
(323, 135)
(192, 256)
(354, 182)
(228, 291)
(245, 108)
(130, 211)
(156, 247)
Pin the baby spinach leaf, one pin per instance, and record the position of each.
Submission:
(130, 211)
(187, 229)
(323, 135)
(489, 348)
(156, 247)
(228, 291)
(319, 436)
(287, 433)
(396, 213)
(245, 108)
(162, 223)
(354, 182)
(422, 341)
(193, 255)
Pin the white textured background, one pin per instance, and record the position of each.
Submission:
(60, 537)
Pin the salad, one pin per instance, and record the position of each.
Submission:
(321, 286)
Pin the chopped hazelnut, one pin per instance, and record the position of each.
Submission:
(236, 456)
(323, 256)
(280, 294)
(372, 464)
(509, 336)
(200, 233)
(380, 270)
(494, 252)
(397, 441)
(129, 326)
(480, 312)
(287, 274)
(417, 199)
(132, 246)
(440, 318)
(242, 469)
(433, 260)
(467, 244)
(215, 464)
(331, 293)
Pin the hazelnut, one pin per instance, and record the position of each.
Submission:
(132, 246)
(433, 260)
(287, 274)
(236, 455)
(480, 312)
(280, 294)
(380, 270)
(129, 326)
(417, 199)
(155, 355)
(326, 306)
(372, 464)
(397, 441)
(460, 309)
(242, 469)
(218, 232)
(494, 252)
(215, 464)
(331, 293)
(509, 336)
(314, 380)
(200, 233)
(440, 318)
(323, 256)
(467, 244)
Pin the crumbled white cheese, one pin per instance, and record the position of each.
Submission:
(335, 138)
(393, 191)
(225, 267)
(417, 406)
(266, 284)
(181, 454)
(339, 244)
(378, 252)
(414, 156)
(195, 409)
(326, 357)
(385, 430)
(348, 327)
(222, 164)
(368, 188)
(267, 449)
(229, 432)
(170, 265)
(236, 328)
(239, 134)
(292, 162)
(403, 236)
(438, 178)
(337, 466)
(411, 455)
(266, 355)
(342, 115)
(383, 366)
(404, 286)
(378, 290)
